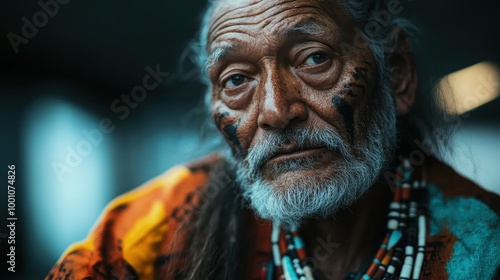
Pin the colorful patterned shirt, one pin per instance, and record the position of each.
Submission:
(138, 235)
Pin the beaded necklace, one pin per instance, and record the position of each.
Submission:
(400, 256)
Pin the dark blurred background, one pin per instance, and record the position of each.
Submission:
(58, 86)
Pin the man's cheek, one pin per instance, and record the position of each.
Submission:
(345, 110)
(231, 133)
(354, 89)
(359, 81)
(229, 126)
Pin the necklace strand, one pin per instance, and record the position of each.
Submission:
(400, 255)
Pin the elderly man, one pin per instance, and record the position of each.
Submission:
(328, 174)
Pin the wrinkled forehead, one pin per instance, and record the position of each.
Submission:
(230, 18)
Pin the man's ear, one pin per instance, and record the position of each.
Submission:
(404, 72)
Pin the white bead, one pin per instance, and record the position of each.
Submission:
(415, 184)
(393, 214)
(275, 234)
(392, 224)
(308, 273)
(394, 205)
(276, 255)
(406, 270)
(409, 250)
(421, 230)
(391, 269)
(418, 265)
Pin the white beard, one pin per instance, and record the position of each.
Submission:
(317, 197)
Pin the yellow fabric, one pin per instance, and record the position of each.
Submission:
(141, 243)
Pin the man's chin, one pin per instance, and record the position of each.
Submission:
(291, 198)
(306, 178)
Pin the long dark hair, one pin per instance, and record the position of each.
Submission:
(214, 247)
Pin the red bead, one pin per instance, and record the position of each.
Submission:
(301, 253)
(263, 272)
(372, 269)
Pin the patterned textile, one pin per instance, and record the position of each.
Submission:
(139, 235)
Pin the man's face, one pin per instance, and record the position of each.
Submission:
(295, 109)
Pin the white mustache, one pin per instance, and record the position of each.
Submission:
(266, 149)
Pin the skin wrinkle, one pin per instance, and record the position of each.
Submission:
(263, 23)
(233, 32)
(220, 28)
(310, 26)
(219, 117)
(361, 74)
(215, 23)
(301, 9)
(243, 14)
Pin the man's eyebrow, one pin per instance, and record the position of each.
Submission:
(217, 55)
(309, 27)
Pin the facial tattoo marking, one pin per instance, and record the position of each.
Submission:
(347, 113)
(345, 109)
(231, 131)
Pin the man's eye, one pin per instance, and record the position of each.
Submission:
(316, 59)
(235, 81)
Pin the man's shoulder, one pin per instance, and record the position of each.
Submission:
(171, 187)
(167, 199)
(136, 229)
(455, 186)
(464, 225)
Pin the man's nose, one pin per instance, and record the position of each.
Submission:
(281, 103)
